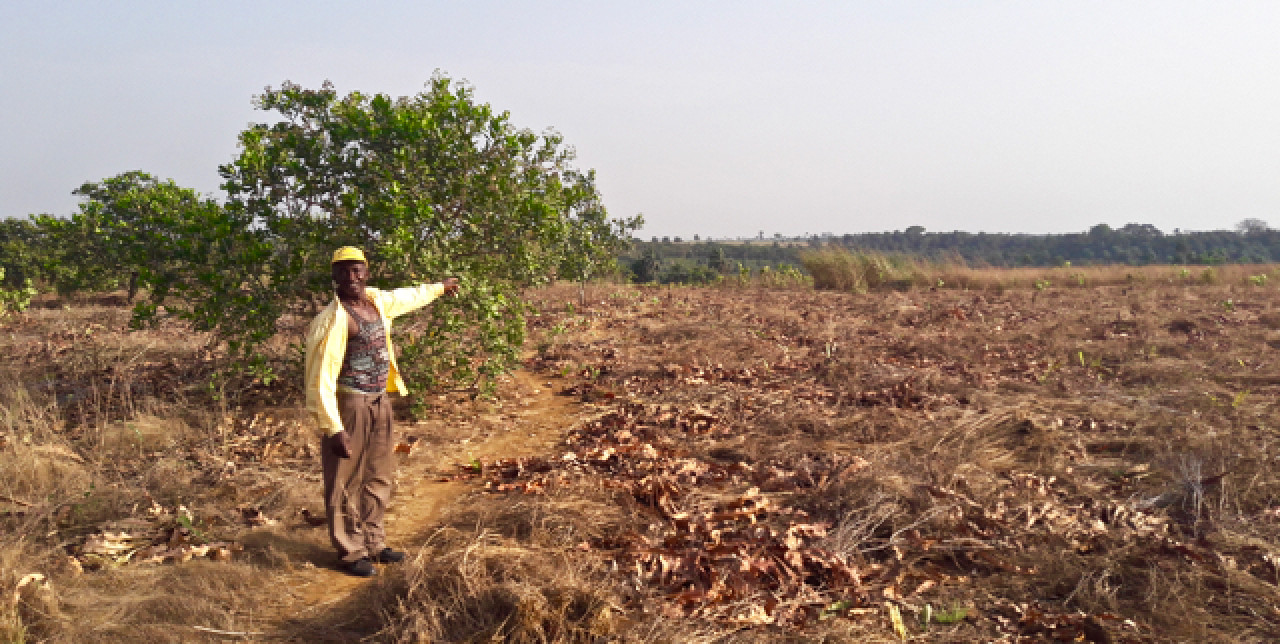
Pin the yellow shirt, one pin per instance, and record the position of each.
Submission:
(327, 345)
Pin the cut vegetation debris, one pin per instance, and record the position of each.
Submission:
(1087, 463)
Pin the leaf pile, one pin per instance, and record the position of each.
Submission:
(167, 536)
(1046, 467)
(721, 545)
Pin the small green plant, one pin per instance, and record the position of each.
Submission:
(1239, 399)
(951, 615)
(835, 609)
(1092, 364)
(1258, 280)
(1229, 305)
(1048, 371)
(188, 521)
(15, 299)
(1184, 274)
(1042, 284)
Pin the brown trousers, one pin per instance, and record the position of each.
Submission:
(357, 489)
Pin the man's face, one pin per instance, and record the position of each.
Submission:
(350, 277)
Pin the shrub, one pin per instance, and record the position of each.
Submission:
(859, 272)
(684, 272)
(15, 298)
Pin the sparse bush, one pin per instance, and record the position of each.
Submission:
(684, 272)
(15, 299)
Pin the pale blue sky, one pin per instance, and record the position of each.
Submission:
(716, 118)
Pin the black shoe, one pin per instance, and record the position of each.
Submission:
(360, 567)
(387, 555)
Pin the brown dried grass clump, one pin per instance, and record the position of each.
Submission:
(170, 603)
(497, 589)
(29, 606)
(106, 443)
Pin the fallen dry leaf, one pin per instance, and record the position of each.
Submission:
(895, 618)
(30, 578)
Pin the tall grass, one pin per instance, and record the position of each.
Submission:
(840, 269)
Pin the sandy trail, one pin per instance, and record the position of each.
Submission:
(532, 420)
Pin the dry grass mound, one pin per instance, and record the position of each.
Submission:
(495, 589)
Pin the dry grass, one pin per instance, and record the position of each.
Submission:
(98, 424)
(1032, 462)
(862, 271)
(1072, 452)
(492, 589)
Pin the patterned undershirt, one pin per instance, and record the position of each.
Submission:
(367, 363)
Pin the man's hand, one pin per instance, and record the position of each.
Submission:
(340, 443)
(450, 286)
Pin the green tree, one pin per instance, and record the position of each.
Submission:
(716, 260)
(431, 185)
(647, 266)
(22, 246)
(67, 256)
(1252, 226)
(136, 220)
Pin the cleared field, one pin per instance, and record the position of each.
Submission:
(1093, 463)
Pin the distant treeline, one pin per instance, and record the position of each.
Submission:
(1134, 244)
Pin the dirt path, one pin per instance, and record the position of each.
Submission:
(531, 420)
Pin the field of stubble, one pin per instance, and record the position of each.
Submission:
(1078, 464)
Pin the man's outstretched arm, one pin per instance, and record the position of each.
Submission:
(397, 302)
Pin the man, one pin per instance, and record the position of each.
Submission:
(350, 375)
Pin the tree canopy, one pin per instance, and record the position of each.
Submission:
(432, 185)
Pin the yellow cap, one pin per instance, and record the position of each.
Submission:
(348, 253)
